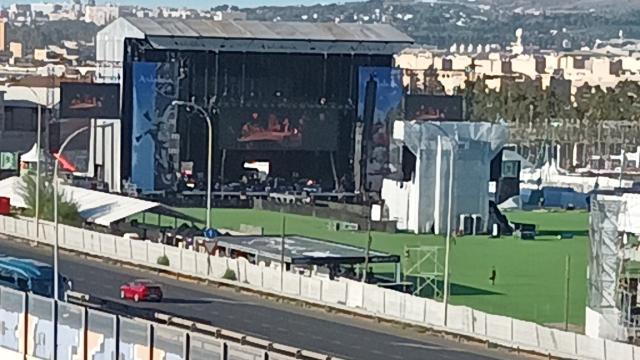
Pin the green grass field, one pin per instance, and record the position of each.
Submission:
(530, 274)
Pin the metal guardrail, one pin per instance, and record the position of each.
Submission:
(192, 325)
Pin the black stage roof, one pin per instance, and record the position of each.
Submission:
(259, 36)
(301, 250)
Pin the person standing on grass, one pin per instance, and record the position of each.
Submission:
(493, 275)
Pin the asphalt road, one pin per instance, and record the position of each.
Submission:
(338, 335)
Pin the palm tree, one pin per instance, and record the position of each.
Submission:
(67, 209)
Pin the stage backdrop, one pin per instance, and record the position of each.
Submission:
(278, 128)
(380, 94)
(155, 143)
(434, 107)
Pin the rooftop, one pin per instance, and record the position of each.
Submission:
(94, 206)
(259, 36)
(243, 29)
(302, 250)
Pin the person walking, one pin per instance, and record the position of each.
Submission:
(493, 275)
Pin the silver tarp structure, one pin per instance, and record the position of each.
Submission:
(420, 205)
(605, 263)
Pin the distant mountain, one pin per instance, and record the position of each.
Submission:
(612, 5)
(548, 24)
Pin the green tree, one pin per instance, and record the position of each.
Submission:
(67, 210)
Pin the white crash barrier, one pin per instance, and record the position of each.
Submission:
(460, 318)
(173, 254)
(291, 283)
(435, 313)
(616, 350)
(139, 251)
(253, 275)
(589, 348)
(499, 327)
(479, 324)
(524, 333)
(311, 288)
(334, 292)
(556, 341)
(342, 293)
(123, 248)
(355, 293)
(374, 299)
(188, 261)
(414, 309)
(218, 267)
(202, 264)
(394, 304)
(271, 278)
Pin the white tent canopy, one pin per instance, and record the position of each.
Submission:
(31, 156)
(94, 206)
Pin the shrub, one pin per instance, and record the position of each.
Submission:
(163, 260)
(230, 275)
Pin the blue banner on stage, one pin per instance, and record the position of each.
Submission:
(155, 142)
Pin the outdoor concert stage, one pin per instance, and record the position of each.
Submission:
(286, 94)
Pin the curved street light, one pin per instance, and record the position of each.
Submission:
(206, 117)
(55, 208)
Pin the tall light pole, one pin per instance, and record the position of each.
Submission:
(453, 143)
(39, 154)
(39, 147)
(205, 115)
(55, 208)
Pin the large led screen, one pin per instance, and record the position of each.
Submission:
(278, 128)
(89, 101)
(433, 108)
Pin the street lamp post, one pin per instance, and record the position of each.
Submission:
(453, 143)
(55, 208)
(39, 147)
(204, 114)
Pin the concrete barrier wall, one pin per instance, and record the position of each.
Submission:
(343, 293)
(79, 329)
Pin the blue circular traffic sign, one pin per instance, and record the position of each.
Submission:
(210, 233)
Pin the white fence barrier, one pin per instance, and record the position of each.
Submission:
(343, 293)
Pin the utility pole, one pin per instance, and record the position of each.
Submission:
(367, 250)
(567, 272)
(282, 250)
(623, 159)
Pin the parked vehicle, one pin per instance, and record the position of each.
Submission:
(141, 290)
(31, 276)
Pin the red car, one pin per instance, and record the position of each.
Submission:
(141, 290)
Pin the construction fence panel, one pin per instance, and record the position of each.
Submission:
(12, 308)
(40, 330)
(204, 348)
(134, 340)
(168, 343)
(238, 352)
(71, 323)
(101, 335)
